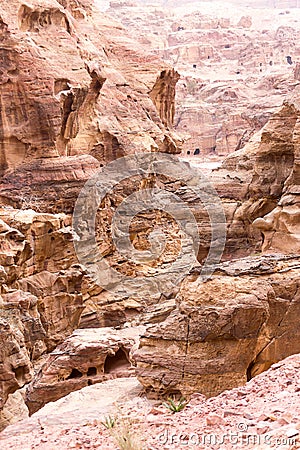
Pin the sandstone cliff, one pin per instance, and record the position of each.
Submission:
(232, 60)
(76, 94)
(73, 84)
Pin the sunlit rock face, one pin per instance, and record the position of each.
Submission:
(77, 93)
(85, 358)
(224, 331)
(103, 97)
(230, 328)
(236, 63)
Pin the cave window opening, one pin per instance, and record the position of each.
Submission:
(197, 151)
(188, 152)
(227, 46)
(289, 60)
(194, 66)
(74, 374)
(117, 361)
(92, 371)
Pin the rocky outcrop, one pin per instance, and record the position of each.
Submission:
(41, 299)
(102, 99)
(86, 357)
(50, 184)
(223, 331)
(280, 228)
(234, 68)
(163, 95)
(14, 410)
(75, 93)
(52, 113)
(263, 414)
(258, 185)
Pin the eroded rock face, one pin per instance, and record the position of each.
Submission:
(86, 357)
(41, 294)
(233, 66)
(259, 185)
(223, 331)
(14, 410)
(103, 97)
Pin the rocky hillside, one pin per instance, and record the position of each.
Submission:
(77, 94)
(237, 63)
(263, 414)
(102, 99)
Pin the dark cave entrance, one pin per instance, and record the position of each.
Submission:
(20, 373)
(115, 363)
(249, 371)
(92, 371)
(74, 374)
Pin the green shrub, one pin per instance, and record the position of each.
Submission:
(109, 422)
(175, 406)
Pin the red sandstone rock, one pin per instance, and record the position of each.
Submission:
(82, 425)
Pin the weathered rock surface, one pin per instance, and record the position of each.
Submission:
(234, 68)
(14, 409)
(75, 94)
(103, 97)
(41, 301)
(263, 414)
(224, 331)
(86, 357)
(259, 187)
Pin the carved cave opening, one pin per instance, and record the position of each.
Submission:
(92, 371)
(116, 362)
(74, 374)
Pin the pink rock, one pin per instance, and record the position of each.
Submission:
(214, 419)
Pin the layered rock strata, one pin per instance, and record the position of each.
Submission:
(235, 68)
(223, 331)
(103, 97)
(86, 357)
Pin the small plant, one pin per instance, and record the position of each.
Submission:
(175, 406)
(109, 422)
(120, 430)
(126, 441)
